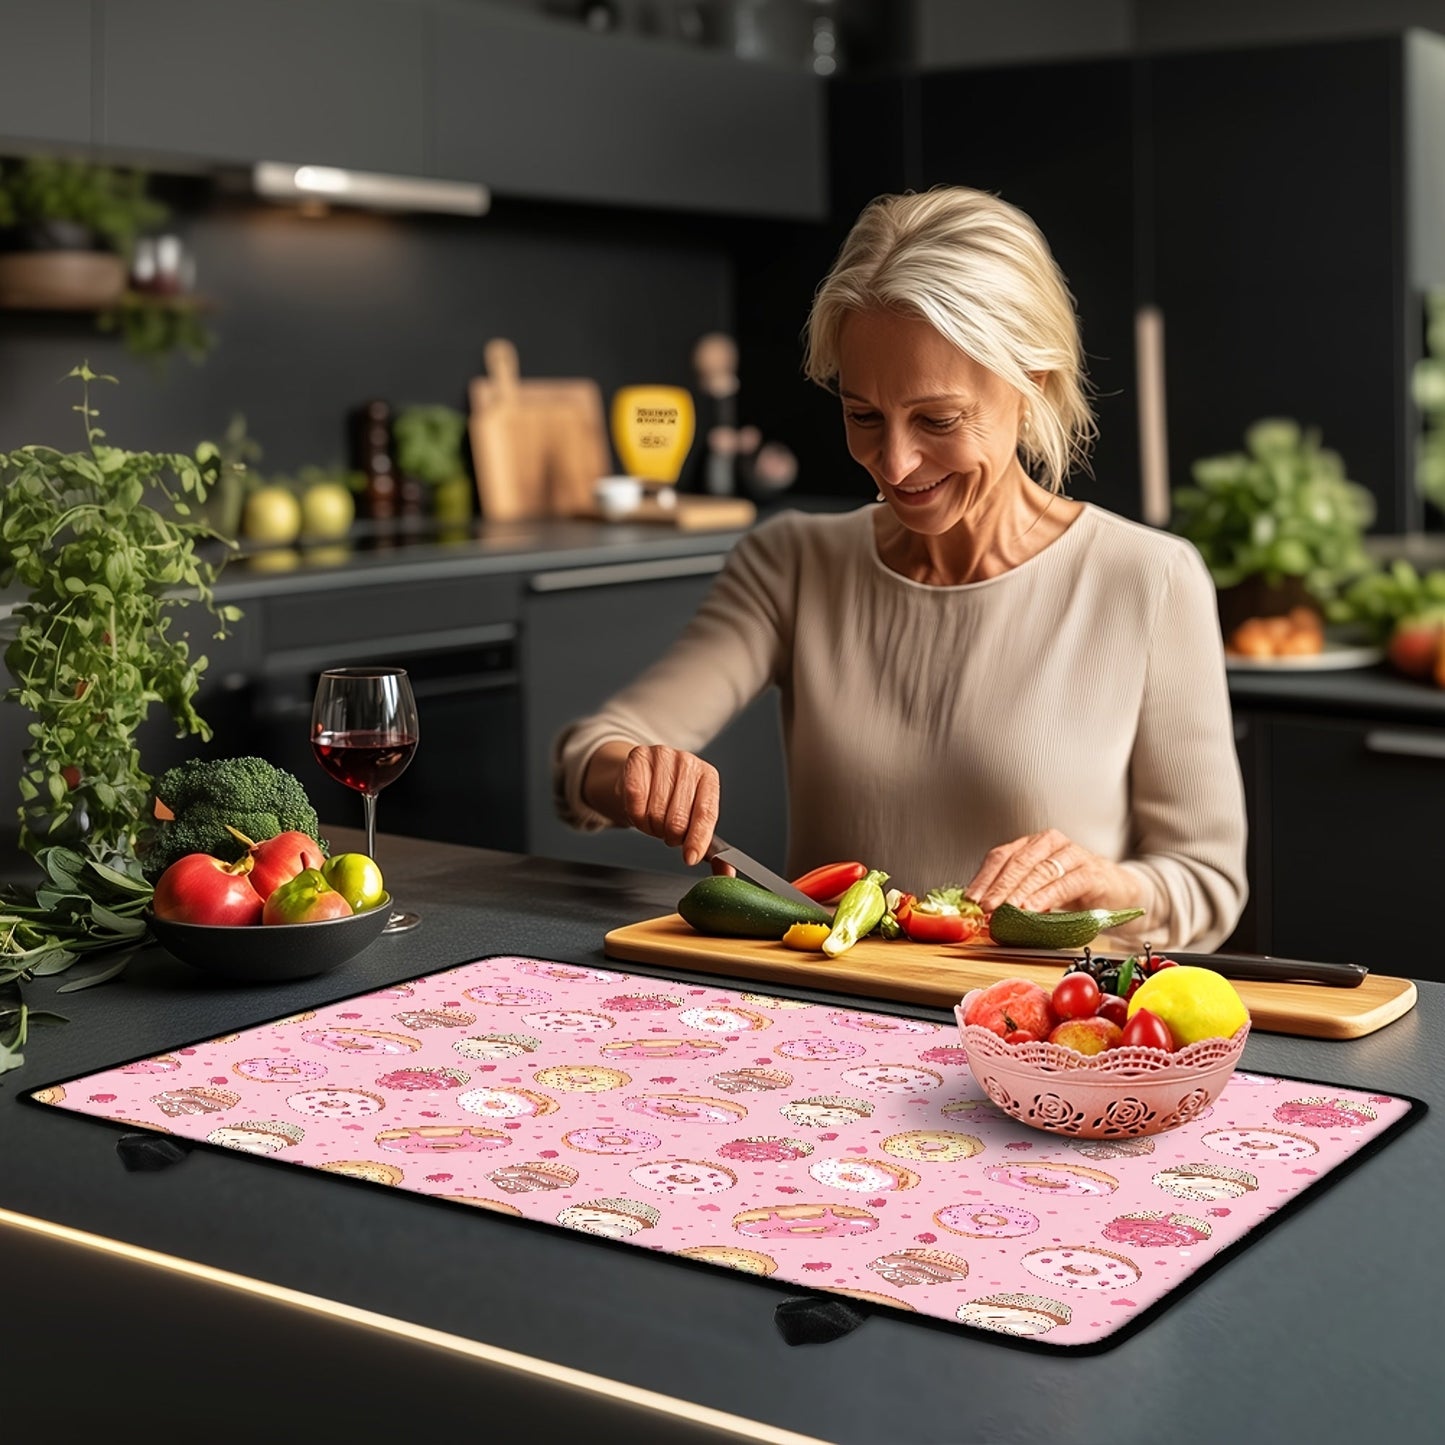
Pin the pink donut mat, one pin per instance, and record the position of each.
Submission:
(819, 1146)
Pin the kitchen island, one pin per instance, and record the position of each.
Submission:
(1325, 1328)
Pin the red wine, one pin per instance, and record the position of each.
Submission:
(364, 759)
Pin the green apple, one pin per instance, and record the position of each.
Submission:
(327, 511)
(307, 898)
(272, 516)
(356, 878)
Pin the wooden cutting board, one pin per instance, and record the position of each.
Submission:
(538, 445)
(688, 513)
(913, 973)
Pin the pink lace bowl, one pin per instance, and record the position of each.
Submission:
(1122, 1093)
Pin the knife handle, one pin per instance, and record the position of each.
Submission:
(1264, 968)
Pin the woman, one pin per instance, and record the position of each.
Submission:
(982, 679)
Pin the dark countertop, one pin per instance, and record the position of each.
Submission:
(1326, 1328)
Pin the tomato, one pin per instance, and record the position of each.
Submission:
(1113, 1008)
(1149, 1031)
(1075, 996)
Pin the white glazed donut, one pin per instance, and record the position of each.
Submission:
(1083, 1268)
(1260, 1146)
(821, 1051)
(719, 1020)
(569, 1021)
(687, 1177)
(335, 1103)
(1056, 1179)
(862, 1176)
(892, 1078)
(507, 995)
(987, 1220)
(881, 1023)
(506, 1103)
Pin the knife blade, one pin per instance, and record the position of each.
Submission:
(1247, 967)
(749, 868)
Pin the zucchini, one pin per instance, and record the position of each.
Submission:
(1021, 929)
(735, 908)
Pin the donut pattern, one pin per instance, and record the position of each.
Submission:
(829, 1149)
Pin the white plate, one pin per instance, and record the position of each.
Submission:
(1336, 657)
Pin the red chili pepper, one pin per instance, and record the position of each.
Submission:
(926, 925)
(830, 882)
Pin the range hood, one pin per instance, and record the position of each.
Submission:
(333, 186)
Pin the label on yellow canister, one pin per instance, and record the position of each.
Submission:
(652, 429)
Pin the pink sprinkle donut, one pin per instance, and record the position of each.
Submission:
(280, 1071)
(1260, 1145)
(1057, 1179)
(765, 1149)
(611, 1139)
(817, 1051)
(951, 1056)
(506, 995)
(687, 1177)
(640, 1002)
(685, 1108)
(360, 1041)
(163, 1065)
(1153, 1229)
(335, 1103)
(881, 1024)
(987, 1221)
(442, 1139)
(1080, 1267)
(1321, 1113)
(437, 1078)
(664, 1049)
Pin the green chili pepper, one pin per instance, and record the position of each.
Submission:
(858, 913)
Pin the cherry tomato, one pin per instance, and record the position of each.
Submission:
(1021, 1036)
(1164, 963)
(1114, 1008)
(1075, 996)
(1149, 1031)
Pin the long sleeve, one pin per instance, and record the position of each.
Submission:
(733, 648)
(1187, 797)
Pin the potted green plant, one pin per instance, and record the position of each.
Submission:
(429, 447)
(67, 230)
(1278, 524)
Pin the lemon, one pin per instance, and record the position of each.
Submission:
(806, 937)
(1196, 1003)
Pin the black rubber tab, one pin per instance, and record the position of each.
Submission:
(149, 1152)
(816, 1319)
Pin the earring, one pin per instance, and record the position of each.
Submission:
(1026, 423)
(879, 497)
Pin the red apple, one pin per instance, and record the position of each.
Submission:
(306, 898)
(202, 889)
(1087, 1036)
(278, 860)
(1413, 644)
(1013, 1005)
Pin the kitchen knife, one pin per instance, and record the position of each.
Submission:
(1251, 967)
(754, 872)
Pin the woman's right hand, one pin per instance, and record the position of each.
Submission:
(669, 794)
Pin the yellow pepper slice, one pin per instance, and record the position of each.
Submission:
(806, 937)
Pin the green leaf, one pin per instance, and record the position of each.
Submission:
(103, 975)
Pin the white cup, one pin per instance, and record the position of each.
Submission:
(618, 497)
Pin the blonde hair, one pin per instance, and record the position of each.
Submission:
(979, 271)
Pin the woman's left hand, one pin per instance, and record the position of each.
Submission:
(1046, 871)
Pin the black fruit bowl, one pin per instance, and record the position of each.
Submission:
(271, 952)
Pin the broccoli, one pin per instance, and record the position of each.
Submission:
(252, 795)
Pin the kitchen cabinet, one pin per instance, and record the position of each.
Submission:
(1353, 851)
(335, 81)
(535, 109)
(46, 93)
(587, 633)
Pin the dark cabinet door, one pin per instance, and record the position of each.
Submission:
(1278, 223)
(45, 93)
(586, 636)
(1058, 141)
(1354, 846)
(535, 109)
(336, 81)
(1251, 934)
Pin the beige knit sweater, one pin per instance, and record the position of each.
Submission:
(1083, 690)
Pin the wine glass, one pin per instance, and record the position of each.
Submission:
(364, 733)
